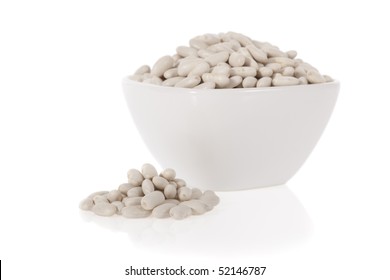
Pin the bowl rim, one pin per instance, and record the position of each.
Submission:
(127, 81)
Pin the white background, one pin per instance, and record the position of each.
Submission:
(66, 132)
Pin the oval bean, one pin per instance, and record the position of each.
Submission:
(104, 209)
(258, 54)
(243, 71)
(235, 81)
(142, 70)
(264, 82)
(124, 188)
(197, 206)
(162, 211)
(313, 77)
(169, 174)
(147, 186)
(237, 59)
(220, 81)
(134, 192)
(134, 177)
(151, 200)
(86, 204)
(171, 82)
(216, 58)
(160, 182)
(128, 201)
(184, 193)
(196, 193)
(135, 211)
(285, 81)
(114, 195)
(210, 198)
(170, 191)
(180, 212)
(186, 51)
(162, 65)
(189, 82)
(249, 82)
(206, 85)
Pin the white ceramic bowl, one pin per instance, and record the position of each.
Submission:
(231, 139)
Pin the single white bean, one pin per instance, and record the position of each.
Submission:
(249, 82)
(162, 211)
(242, 39)
(170, 191)
(243, 71)
(142, 70)
(198, 44)
(134, 177)
(171, 82)
(203, 53)
(86, 204)
(207, 85)
(92, 195)
(235, 81)
(209, 39)
(162, 65)
(135, 211)
(148, 171)
(154, 81)
(284, 81)
(180, 182)
(104, 209)
(275, 67)
(219, 57)
(186, 66)
(160, 182)
(124, 188)
(291, 54)
(171, 73)
(114, 195)
(220, 81)
(185, 51)
(171, 200)
(180, 212)
(220, 47)
(196, 193)
(100, 199)
(303, 81)
(169, 174)
(189, 82)
(128, 201)
(210, 198)
(184, 193)
(283, 61)
(200, 69)
(197, 206)
(258, 54)
(299, 72)
(237, 59)
(264, 82)
(147, 186)
(134, 192)
(119, 205)
(288, 71)
(151, 200)
(314, 77)
(265, 72)
(221, 69)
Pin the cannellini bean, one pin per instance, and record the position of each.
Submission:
(303, 81)
(184, 193)
(299, 72)
(249, 82)
(104, 209)
(206, 85)
(235, 81)
(180, 182)
(135, 211)
(147, 186)
(86, 204)
(198, 44)
(119, 205)
(236, 59)
(128, 201)
(152, 200)
(219, 47)
(197, 206)
(209, 39)
(243, 71)
(160, 182)
(170, 191)
(134, 192)
(169, 174)
(283, 61)
(142, 70)
(205, 53)
(100, 199)
(171, 73)
(171, 200)
(288, 71)
(148, 171)
(162, 65)
(258, 54)
(124, 188)
(200, 69)
(265, 72)
(313, 77)
(196, 193)
(189, 82)
(186, 66)
(171, 82)
(275, 67)
(264, 82)
(220, 81)
(285, 81)
(210, 198)
(219, 57)
(135, 177)
(186, 51)
(242, 39)
(162, 211)
(291, 54)
(221, 69)
(180, 212)
(154, 81)
(114, 195)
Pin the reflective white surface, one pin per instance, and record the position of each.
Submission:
(258, 221)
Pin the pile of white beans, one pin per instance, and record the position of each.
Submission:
(149, 193)
(229, 60)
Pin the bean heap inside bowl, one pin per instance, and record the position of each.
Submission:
(229, 60)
